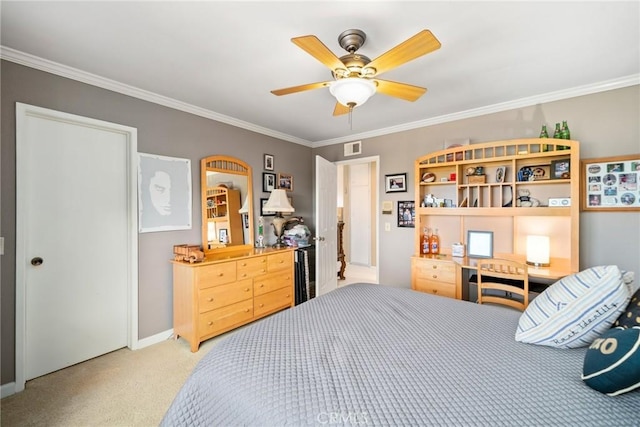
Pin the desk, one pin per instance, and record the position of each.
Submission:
(559, 268)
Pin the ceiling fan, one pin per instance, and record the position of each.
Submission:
(355, 75)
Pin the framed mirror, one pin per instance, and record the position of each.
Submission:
(227, 204)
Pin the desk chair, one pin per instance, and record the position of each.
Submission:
(490, 269)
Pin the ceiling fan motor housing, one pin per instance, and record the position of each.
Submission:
(352, 40)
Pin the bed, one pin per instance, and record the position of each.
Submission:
(377, 355)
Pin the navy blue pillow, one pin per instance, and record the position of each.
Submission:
(612, 362)
(630, 317)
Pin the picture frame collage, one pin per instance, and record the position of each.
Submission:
(610, 183)
(272, 181)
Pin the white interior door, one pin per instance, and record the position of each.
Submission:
(360, 214)
(76, 242)
(326, 226)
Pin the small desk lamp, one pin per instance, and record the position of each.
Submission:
(278, 203)
(538, 251)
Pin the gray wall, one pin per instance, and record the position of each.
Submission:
(162, 131)
(606, 124)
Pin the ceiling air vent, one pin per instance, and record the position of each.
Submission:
(352, 148)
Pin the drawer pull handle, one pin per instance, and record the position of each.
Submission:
(244, 274)
(209, 323)
(246, 289)
(281, 261)
(435, 291)
(246, 310)
(434, 266)
(210, 299)
(435, 276)
(220, 274)
(262, 285)
(261, 305)
(244, 264)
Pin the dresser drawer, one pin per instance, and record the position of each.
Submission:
(224, 318)
(436, 288)
(215, 274)
(223, 295)
(280, 261)
(266, 303)
(435, 270)
(271, 282)
(252, 267)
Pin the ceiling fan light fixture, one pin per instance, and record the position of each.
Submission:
(353, 90)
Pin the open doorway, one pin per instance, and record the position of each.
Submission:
(357, 208)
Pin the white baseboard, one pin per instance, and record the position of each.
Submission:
(154, 339)
(7, 390)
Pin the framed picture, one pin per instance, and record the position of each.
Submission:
(479, 244)
(500, 172)
(268, 162)
(268, 182)
(396, 183)
(285, 181)
(407, 214)
(164, 193)
(223, 236)
(610, 184)
(262, 211)
(561, 169)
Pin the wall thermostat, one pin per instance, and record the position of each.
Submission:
(560, 201)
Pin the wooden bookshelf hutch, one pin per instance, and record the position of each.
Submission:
(545, 168)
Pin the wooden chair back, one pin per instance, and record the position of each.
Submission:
(492, 268)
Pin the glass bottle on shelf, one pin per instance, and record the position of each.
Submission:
(434, 243)
(425, 241)
(564, 134)
(556, 132)
(544, 134)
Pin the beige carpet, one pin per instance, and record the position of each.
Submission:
(122, 388)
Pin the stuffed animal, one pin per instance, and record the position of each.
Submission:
(525, 200)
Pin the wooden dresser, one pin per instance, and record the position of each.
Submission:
(435, 275)
(227, 291)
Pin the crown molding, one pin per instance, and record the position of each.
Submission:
(38, 63)
(51, 67)
(607, 85)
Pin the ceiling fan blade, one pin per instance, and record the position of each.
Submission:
(314, 47)
(340, 109)
(400, 90)
(412, 48)
(301, 88)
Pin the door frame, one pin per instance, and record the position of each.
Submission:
(23, 111)
(376, 195)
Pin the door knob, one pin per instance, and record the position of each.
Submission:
(36, 261)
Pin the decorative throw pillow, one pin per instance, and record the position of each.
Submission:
(631, 316)
(576, 309)
(612, 361)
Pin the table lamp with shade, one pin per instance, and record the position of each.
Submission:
(278, 203)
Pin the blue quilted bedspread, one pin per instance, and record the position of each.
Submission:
(376, 355)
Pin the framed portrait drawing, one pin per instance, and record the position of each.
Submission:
(164, 193)
(479, 244)
(407, 214)
(268, 162)
(268, 182)
(396, 183)
(500, 172)
(285, 181)
(610, 184)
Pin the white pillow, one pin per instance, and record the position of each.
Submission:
(576, 309)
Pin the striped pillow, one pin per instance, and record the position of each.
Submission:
(576, 309)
